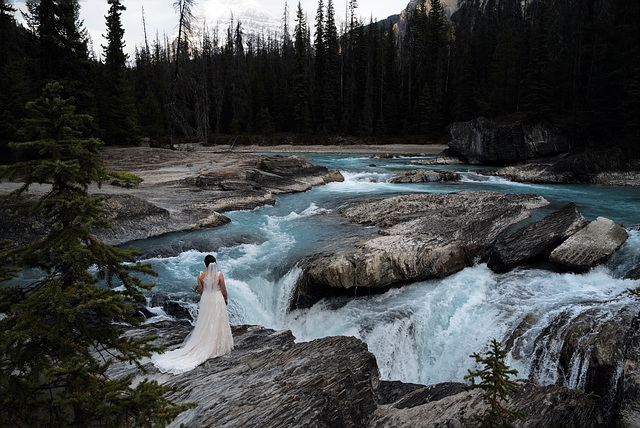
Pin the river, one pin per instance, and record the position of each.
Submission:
(423, 332)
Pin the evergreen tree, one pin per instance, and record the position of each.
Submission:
(60, 334)
(390, 87)
(62, 48)
(320, 68)
(332, 84)
(301, 73)
(537, 83)
(118, 117)
(15, 60)
(7, 25)
(497, 387)
(150, 113)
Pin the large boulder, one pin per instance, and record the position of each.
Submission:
(487, 141)
(135, 218)
(268, 380)
(423, 236)
(277, 174)
(426, 176)
(608, 167)
(535, 241)
(590, 246)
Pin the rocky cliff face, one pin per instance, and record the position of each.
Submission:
(536, 153)
(486, 141)
(268, 380)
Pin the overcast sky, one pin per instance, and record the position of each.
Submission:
(161, 17)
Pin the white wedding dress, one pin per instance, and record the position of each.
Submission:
(211, 337)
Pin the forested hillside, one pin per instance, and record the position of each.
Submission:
(576, 63)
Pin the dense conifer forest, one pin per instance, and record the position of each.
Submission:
(575, 63)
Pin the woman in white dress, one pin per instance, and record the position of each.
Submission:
(211, 337)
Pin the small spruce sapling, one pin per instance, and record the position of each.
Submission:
(494, 381)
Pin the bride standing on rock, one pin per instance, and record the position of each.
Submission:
(211, 337)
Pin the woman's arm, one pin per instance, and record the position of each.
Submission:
(223, 288)
(200, 283)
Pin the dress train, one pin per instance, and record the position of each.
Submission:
(211, 336)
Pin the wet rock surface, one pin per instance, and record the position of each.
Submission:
(268, 380)
(601, 349)
(435, 235)
(590, 246)
(426, 176)
(489, 141)
(535, 242)
(422, 236)
(604, 168)
(535, 153)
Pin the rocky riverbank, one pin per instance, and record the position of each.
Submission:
(536, 153)
(269, 380)
(180, 191)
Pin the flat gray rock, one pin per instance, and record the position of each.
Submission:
(590, 246)
(426, 176)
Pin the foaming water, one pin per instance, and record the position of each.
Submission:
(426, 332)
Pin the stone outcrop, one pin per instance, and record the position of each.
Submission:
(446, 157)
(611, 167)
(268, 380)
(423, 236)
(487, 141)
(135, 218)
(180, 191)
(426, 176)
(279, 174)
(535, 241)
(590, 246)
(448, 405)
